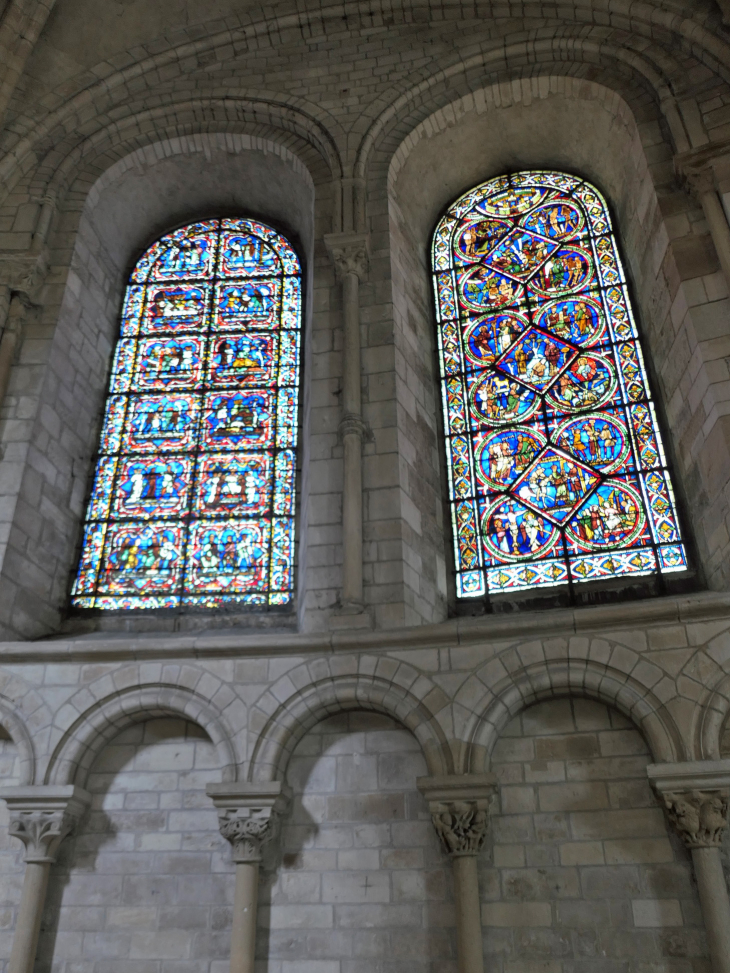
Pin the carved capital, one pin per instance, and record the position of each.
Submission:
(352, 424)
(350, 254)
(41, 817)
(699, 817)
(700, 182)
(24, 273)
(695, 796)
(248, 829)
(248, 816)
(461, 825)
(460, 807)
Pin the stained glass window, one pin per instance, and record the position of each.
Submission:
(193, 500)
(557, 473)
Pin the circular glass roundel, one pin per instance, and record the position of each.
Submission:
(503, 456)
(581, 322)
(586, 384)
(491, 337)
(499, 400)
(477, 239)
(483, 289)
(566, 271)
(513, 533)
(558, 220)
(611, 517)
(599, 440)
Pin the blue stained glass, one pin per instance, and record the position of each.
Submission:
(193, 500)
(556, 469)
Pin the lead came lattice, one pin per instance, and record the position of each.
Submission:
(193, 501)
(556, 469)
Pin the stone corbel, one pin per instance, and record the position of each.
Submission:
(41, 817)
(248, 816)
(349, 253)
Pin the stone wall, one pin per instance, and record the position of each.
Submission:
(585, 873)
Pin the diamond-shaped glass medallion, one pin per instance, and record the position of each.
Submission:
(537, 358)
(521, 253)
(555, 484)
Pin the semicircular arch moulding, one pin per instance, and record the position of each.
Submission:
(13, 723)
(633, 76)
(527, 674)
(319, 689)
(84, 740)
(79, 156)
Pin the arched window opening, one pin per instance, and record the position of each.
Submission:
(194, 497)
(556, 469)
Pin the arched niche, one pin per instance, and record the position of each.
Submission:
(558, 123)
(153, 189)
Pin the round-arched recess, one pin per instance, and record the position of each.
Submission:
(579, 127)
(154, 189)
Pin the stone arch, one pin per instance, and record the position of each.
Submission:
(516, 679)
(15, 726)
(116, 211)
(316, 690)
(517, 62)
(81, 743)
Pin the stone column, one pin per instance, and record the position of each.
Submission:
(21, 278)
(41, 817)
(695, 796)
(459, 807)
(349, 254)
(247, 817)
(702, 182)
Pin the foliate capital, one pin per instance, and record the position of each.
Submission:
(350, 254)
(695, 795)
(699, 817)
(24, 273)
(248, 816)
(248, 830)
(460, 806)
(41, 817)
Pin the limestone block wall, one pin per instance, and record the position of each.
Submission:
(146, 883)
(362, 883)
(584, 871)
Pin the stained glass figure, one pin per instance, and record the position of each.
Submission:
(193, 500)
(556, 469)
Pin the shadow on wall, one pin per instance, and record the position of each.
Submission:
(584, 868)
(148, 877)
(362, 878)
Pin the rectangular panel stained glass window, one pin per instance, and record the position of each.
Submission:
(194, 497)
(556, 469)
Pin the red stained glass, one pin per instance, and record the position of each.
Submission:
(194, 494)
(556, 469)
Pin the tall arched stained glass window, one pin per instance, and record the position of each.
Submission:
(556, 469)
(193, 501)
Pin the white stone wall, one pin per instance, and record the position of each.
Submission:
(146, 885)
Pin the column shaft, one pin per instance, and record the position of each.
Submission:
(245, 903)
(352, 594)
(28, 925)
(719, 229)
(468, 915)
(715, 905)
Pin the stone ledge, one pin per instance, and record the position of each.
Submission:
(705, 606)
